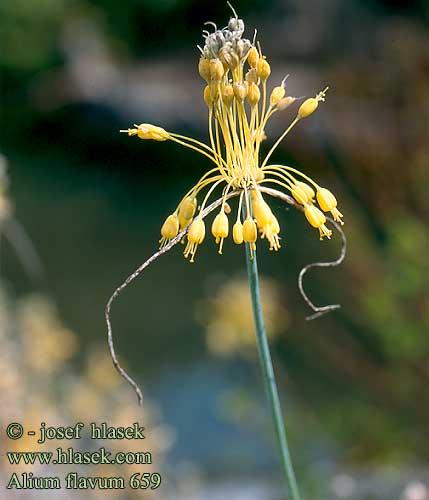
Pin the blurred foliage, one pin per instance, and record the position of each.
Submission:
(228, 317)
(38, 384)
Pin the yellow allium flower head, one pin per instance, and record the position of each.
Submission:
(240, 104)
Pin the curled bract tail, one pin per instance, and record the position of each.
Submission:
(321, 310)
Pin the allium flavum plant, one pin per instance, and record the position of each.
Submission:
(236, 74)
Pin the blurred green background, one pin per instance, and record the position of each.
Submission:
(353, 383)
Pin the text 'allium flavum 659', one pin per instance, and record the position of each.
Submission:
(236, 73)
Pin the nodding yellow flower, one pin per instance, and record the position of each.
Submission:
(328, 203)
(240, 105)
(169, 230)
(220, 229)
(187, 208)
(196, 235)
(316, 218)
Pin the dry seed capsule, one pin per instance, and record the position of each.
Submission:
(263, 68)
(252, 76)
(208, 96)
(227, 94)
(240, 91)
(285, 102)
(253, 94)
(216, 70)
(242, 48)
(214, 90)
(277, 94)
(253, 57)
(225, 57)
(204, 68)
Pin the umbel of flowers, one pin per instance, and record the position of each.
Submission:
(236, 73)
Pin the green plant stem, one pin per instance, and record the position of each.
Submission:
(268, 373)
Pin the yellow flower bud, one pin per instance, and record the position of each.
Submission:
(277, 94)
(216, 70)
(220, 228)
(149, 131)
(227, 94)
(237, 233)
(263, 68)
(316, 218)
(240, 91)
(253, 57)
(308, 107)
(309, 191)
(250, 232)
(204, 68)
(328, 203)
(299, 194)
(227, 208)
(253, 94)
